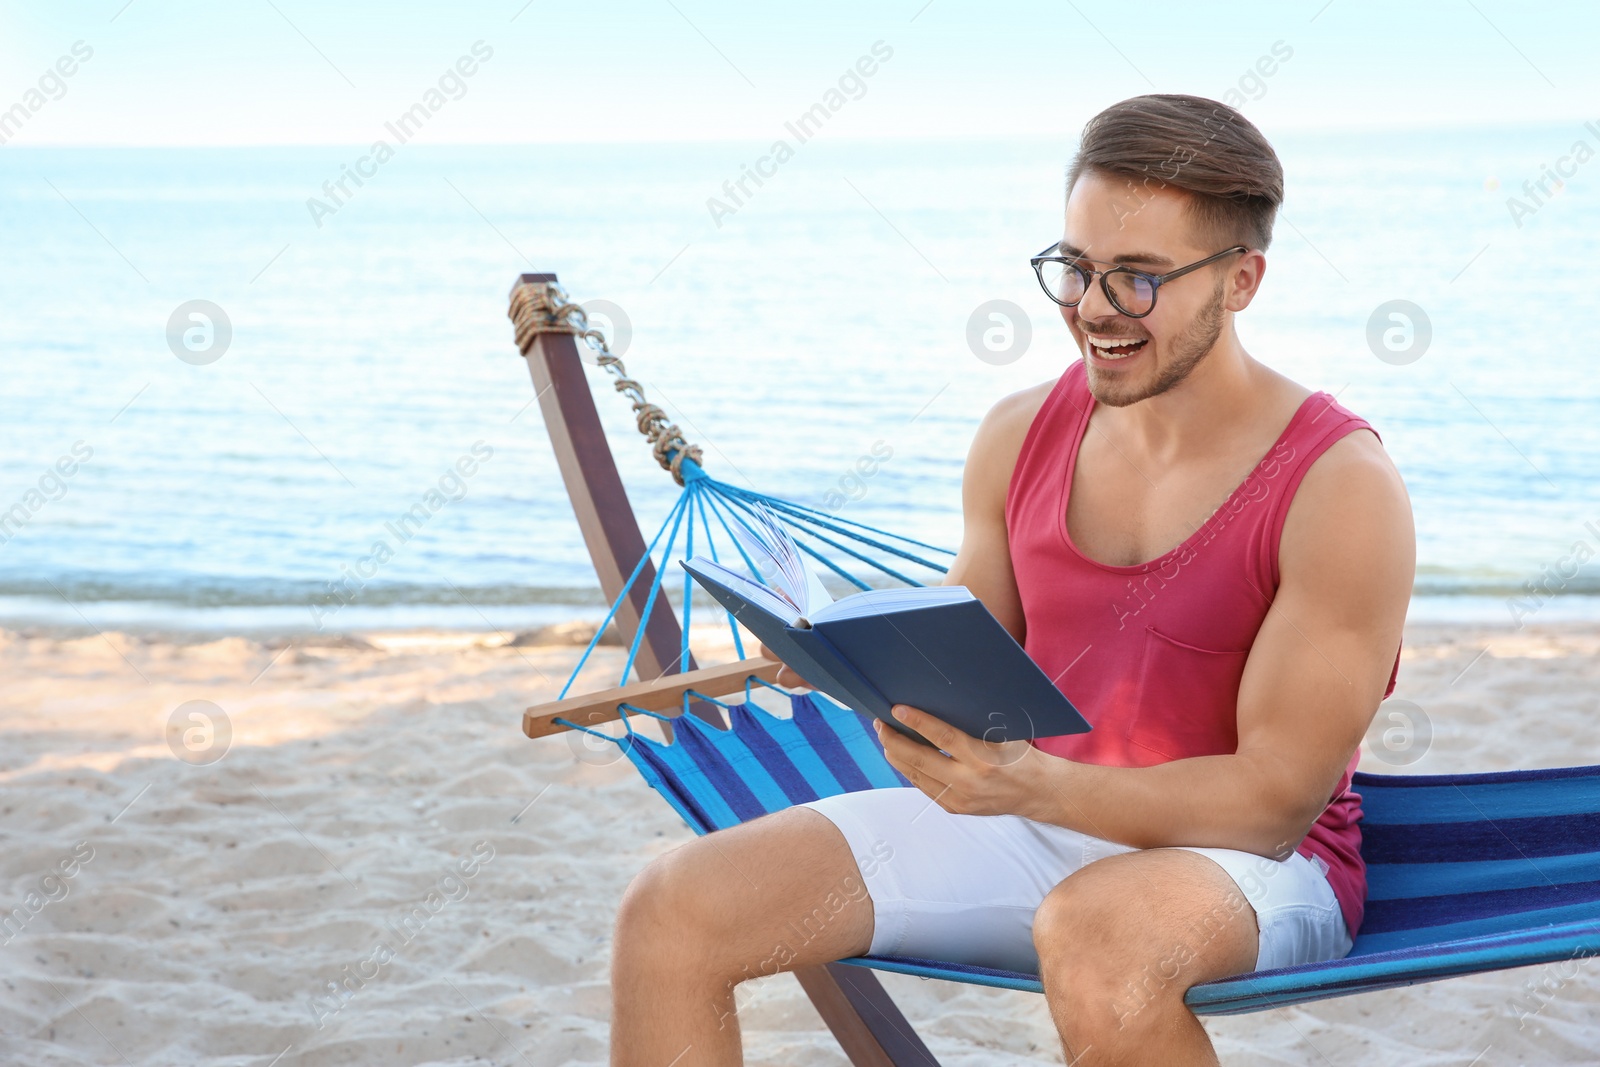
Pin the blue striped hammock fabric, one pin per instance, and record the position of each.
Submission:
(1466, 872)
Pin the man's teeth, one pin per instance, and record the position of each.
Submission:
(1106, 345)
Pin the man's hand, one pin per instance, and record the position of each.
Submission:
(786, 674)
(977, 777)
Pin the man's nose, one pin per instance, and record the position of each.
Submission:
(1094, 306)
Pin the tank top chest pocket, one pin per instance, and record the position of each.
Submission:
(1187, 698)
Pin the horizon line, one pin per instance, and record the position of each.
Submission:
(1363, 126)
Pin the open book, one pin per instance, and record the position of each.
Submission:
(933, 647)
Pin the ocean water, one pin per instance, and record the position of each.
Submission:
(824, 318)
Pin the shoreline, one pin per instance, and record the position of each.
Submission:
(522, 621)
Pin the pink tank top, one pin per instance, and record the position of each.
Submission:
(1152, 654)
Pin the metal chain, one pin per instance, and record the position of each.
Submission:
(543, 307)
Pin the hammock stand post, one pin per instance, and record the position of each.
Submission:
(600, 501)
(869, 1026)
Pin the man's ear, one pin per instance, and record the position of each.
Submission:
(1240, 296)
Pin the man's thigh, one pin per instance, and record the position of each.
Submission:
(967, 888)
(955, 888)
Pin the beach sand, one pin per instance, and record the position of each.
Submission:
(206, 904)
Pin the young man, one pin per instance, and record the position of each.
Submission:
(1213, 563)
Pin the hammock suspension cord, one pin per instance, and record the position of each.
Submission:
(539, 307)
(543, 307)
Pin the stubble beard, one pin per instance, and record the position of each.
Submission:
(1188, 349)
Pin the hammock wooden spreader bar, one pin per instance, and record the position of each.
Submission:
(663, 696)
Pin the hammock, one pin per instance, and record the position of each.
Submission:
(1466, 873)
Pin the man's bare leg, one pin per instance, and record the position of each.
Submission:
(779, 892)
(1123, 939)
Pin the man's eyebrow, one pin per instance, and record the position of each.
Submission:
(1147, 258)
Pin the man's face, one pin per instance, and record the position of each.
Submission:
(1112, 221)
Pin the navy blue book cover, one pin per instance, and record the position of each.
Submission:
(953, 660)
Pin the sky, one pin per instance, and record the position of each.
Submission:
(267, 72)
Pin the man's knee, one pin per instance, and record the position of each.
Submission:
(668, 929)
(778, 892)
(1082, 934)
(686, 899)
(670, 903)
(1114, 945)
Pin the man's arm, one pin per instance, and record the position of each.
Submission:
(1311, 685)
(983, 563)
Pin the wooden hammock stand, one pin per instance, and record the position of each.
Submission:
(857, 1009)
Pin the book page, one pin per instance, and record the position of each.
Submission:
(758, 595)
(778, 559)
(817, 595)
(896, 598)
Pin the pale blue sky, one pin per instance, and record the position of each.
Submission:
(301, 72)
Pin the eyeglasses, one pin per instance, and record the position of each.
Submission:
(1133, 292)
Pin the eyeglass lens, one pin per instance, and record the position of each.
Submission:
(1131, 293)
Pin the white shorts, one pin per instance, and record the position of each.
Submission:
(964, 888)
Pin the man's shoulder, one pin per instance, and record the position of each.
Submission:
(998, 440)
(1355, 463)
(1358, 454)
(1013, 413)
(1352, 494)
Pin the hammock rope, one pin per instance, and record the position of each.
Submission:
(543, 307)
(539, 308)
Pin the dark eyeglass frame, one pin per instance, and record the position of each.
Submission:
(1156, 280)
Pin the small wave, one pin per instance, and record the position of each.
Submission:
(208, 592)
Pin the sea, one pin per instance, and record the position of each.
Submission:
(230, 372)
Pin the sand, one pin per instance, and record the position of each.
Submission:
(377, 817)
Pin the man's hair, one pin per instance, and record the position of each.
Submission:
(1201, 147)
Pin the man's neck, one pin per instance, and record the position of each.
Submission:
(1221, 395)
